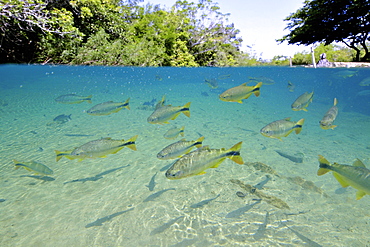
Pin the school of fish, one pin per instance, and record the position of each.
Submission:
(191, 157)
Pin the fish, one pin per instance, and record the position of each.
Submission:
(168, 112)
(177, 149)
(62, 118)
(34, 167)
(363, 93)
(223, 77)
(73, 99)
(345, 73)
(97, 149)
(152, 183)
(108, 107)
(174, 133)
(237, 94)
(356, 176)
(196, 162)
(282, 128)
(100, 221)
(291, 86)
(329, 117)
(204, 202)
(302, 102)
(365, 82)
(212, 83)
(263, 79)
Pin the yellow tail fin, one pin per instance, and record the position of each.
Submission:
(323, 164)
(234, 153)
(298, 126)
(256, 89)
(62, 154)
(131, 143)
(185, 109)
(199, 142)
(88, 99)
(127, 104)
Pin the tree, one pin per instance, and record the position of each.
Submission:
(328, 21)
(334, 53)
(22, 25)
(212, 41)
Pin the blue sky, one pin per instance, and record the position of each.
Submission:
(260, 23)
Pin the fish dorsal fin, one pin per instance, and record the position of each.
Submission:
(183, 140)
(244, 84)
(204, 148)
(358, 163)
(287, 118)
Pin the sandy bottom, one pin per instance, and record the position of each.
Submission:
(106, 201)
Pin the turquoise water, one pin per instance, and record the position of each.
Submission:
(113, 201)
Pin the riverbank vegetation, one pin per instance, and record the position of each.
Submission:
(116, 32)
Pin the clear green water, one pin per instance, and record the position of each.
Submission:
(107, 201)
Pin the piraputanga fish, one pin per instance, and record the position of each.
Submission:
(73, 99)
(174, 133)
(329, 117)
(177, 149)
(237, 94)
(357, 175)
(282, 128)
(35, 167)
(365, 82)
(97, 149)
(108, 107)
(291, 86)
(345, 73)
(302, 102)
(196, 162)
(60, 119)
(212, 83)
(263, 79)
(168, 112)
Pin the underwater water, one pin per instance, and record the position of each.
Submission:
(275, 198)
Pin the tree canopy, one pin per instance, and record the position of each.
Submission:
(116, 32)
(328, 21)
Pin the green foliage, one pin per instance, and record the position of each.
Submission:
(329, 21)
(334, 53)
(113, 32)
